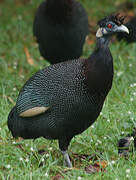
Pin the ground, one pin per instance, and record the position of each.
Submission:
(19, 59)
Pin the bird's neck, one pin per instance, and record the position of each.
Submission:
(101, 54)
(59, 10)
(102, 51)
(99, 68)
(102, 42)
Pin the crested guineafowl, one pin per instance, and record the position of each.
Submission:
(60, 27)
(124, 144)
(64, 99)
(131, 37)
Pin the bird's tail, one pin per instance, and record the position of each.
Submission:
(14, 122)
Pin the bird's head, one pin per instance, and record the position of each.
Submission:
(110, 25)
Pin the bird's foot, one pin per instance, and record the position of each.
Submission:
(67, 161)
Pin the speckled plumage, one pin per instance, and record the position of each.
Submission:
(63, 88)
(60, 28)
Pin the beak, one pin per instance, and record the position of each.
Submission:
(123, 28)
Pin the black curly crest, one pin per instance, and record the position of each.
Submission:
(116, 18)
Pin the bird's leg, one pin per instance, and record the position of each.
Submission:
(67, 161)
(63, 145)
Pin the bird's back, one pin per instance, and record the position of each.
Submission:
(61, 41)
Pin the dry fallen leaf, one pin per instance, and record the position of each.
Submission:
(20, 147)
(10, 99)
(19, 139)
(103, 164)
(28, 57)
(22, 2)
(92, 169)
(57, 177)
(97, 167)
(90, 42)
(1, 1)
(20, 71)
(90, 157)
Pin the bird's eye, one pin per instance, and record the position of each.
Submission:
(109, 26)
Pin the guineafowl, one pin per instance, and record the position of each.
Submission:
(131, 37)
(64, 99)
(124, 143)
(60, 27)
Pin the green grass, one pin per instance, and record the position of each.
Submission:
(19, 159)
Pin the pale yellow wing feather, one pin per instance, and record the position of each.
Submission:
(33, 111)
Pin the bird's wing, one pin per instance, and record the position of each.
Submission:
(41, 91)
(31, 101)
(34, 97)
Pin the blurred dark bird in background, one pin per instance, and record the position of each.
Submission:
(64, 99)
(125, 143)
(60, 27)
(131, 37)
